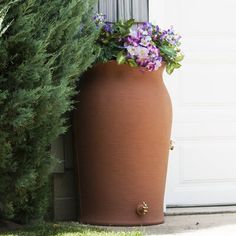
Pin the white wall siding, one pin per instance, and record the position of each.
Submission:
(124, 9)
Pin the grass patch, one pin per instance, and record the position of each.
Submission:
(66, 229)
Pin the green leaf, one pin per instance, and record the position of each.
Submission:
(130, 22)
(179, 57)
(177, 65)
(120, 58)
(132, 63)
(123, 28)
(168, 51)
(171, 66)
(105, 41)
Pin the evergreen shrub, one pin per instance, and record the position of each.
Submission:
(44, 47)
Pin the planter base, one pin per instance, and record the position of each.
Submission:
(123, 223)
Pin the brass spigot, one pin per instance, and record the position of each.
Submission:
(142, 209)
(172, 145)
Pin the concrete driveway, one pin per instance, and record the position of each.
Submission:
(195, 225)
(210, 224)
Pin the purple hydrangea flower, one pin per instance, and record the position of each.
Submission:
(108, 27)
(141, 48)
(99, 19)
(145, 41)
(163, 35)
(170, 36)
(146, 25)
(146, 28)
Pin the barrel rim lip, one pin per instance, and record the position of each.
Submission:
(112, 68)
(114, 62)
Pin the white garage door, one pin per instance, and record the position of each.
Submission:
(202, 168)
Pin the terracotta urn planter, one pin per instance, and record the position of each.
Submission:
(122, 135)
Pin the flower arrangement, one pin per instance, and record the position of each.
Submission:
(146, 46)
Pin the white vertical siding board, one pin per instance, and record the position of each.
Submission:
(109, 8)
(140, 10)
(125, 9)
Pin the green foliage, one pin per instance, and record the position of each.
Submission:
(3, 12)
(44, 47)
(111, 48)
(121, 58)
(172, 56)
(145, 45)
(122, 28)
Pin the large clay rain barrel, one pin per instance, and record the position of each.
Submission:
(122, 127)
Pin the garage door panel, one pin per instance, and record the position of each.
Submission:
(204, 131)
(210, 84)
(207, 157)
(203, 16)
(202, 167)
